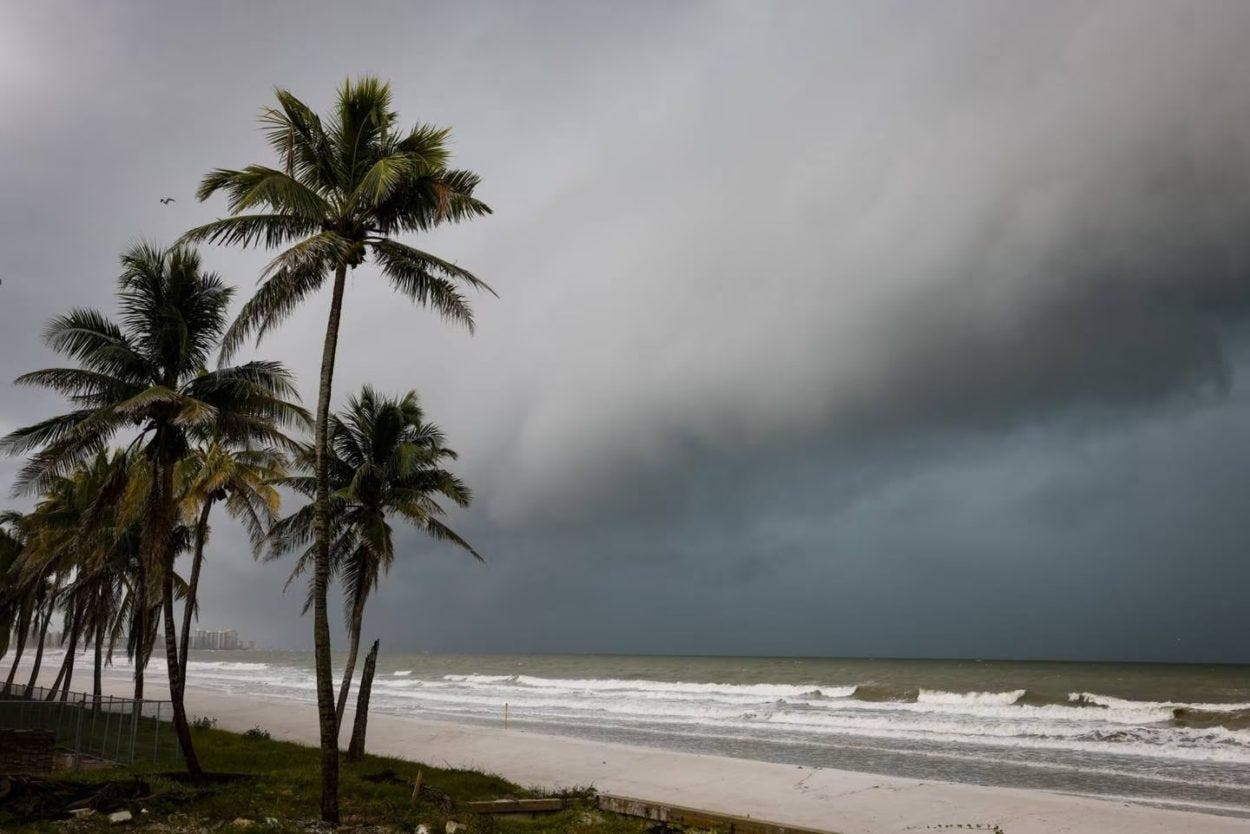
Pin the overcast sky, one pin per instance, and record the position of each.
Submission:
(911, 329)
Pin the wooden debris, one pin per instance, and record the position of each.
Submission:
(416, 789)
(518, 806)
(697, 818)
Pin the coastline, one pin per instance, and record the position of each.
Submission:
(843, 801)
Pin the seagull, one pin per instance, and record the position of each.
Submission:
(167, 200)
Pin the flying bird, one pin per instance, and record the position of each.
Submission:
(167, 200)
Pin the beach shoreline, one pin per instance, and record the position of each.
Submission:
(842, 801)
(839, 800)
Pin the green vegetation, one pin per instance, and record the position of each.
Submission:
(261, 779)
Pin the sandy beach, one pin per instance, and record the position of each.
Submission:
(836, 800)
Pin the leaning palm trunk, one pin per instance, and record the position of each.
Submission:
(358, 615)
(66, 675)
(27, 622)
(321, 570)
(356, 750)
(60, 676)
(43, 635)
(201, 534)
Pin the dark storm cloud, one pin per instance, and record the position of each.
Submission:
(830, 328)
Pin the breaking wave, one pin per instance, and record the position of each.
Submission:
(1203, 718)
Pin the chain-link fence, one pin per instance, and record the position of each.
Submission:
(107, 728)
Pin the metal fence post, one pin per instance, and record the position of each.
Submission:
(78, 733)
(96, 706)
(104, 736)
(121, 730)
(134, 729)
(156, 735)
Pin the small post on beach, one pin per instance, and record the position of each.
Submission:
(505, 715)
(416, 791)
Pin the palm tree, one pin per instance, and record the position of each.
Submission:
(240, 477)
(107, 560)
(346, 186)
(57, 536)
(14, 616)
(77, 533)
(19, 604)
(385, 461)
(45, 593)
(147, 374)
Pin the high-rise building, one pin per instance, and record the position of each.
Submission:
(226, 638)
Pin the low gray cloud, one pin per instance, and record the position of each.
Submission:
(824, 328)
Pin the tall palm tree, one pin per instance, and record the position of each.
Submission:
(385, 461)
(345, 187)
(147, 375)
(242, 479)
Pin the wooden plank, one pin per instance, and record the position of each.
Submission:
(517, 806)
(697, 818)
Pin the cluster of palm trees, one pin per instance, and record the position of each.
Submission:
(155, 438)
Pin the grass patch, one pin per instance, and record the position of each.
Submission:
(274, 786)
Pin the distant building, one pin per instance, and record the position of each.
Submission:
(225, 638)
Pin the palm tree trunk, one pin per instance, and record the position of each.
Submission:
(358, 615)
(356, 750)
(162, 521)
(56, 682)
(67, 666)
(97, 681)
(321, 571)
(26, 623)
(43, 635)
(140, 604)
(80, 616)
(201, 534)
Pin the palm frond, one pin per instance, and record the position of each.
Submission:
(247, 230)
(276, 299)
(427, 281)
(260, 186)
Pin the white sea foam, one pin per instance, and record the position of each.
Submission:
(1121, 703)
(937, 696)
(402, 673)
(658, 688)
(226, 666)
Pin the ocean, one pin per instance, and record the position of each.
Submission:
(1171, 735)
